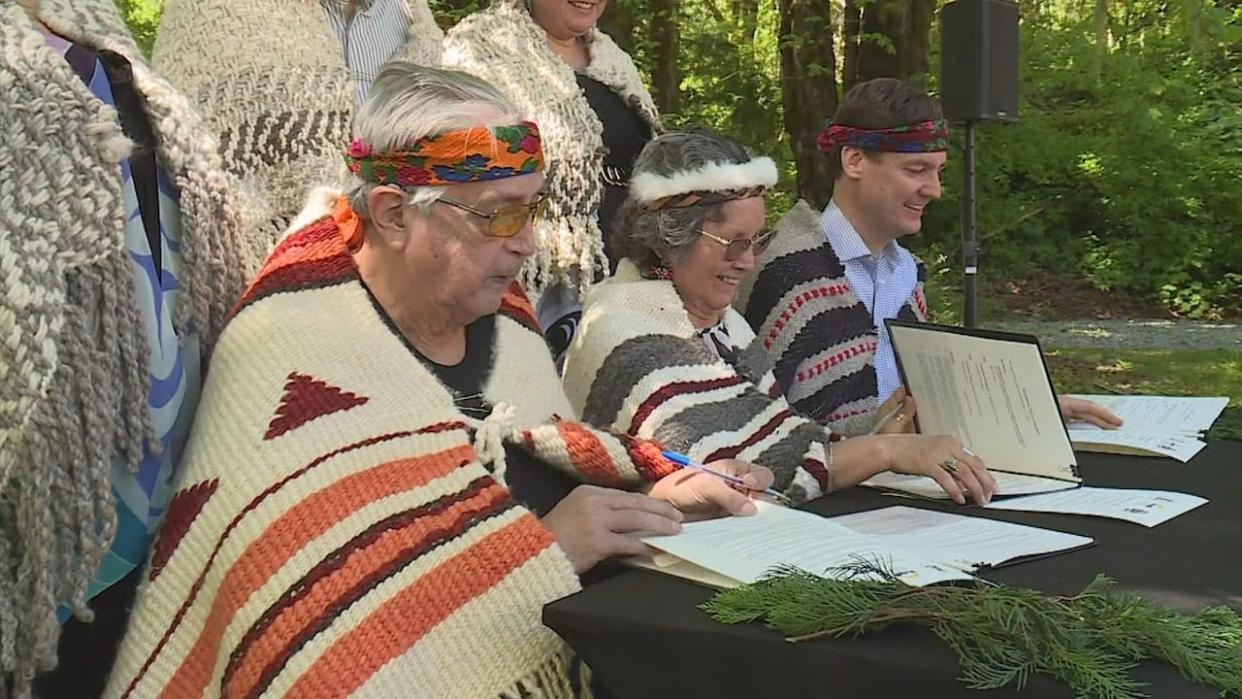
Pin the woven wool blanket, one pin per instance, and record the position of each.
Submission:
(819, 335)
(336, 532)
(637, 366)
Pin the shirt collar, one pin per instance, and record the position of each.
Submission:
(360, 5)
(844, 239)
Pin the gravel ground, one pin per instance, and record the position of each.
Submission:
(1131, 334)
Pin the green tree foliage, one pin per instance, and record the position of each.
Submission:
(1130, 178)
(1124, 167)
(143, 16)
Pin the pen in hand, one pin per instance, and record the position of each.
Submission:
(685, 462)
(879, 424)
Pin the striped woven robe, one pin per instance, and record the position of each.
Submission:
(336, 532)
(819, 335)
(637, 366)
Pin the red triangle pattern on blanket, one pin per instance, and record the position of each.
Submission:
(306, 399)
(182, 510)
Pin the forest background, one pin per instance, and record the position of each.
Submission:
(1118, 192)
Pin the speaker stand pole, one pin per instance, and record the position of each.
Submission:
(970, 243)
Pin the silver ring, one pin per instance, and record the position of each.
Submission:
(949, 464)
(969, 451)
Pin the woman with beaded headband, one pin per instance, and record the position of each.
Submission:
(886, 146)
(586, 94)
(661, 354)
(361, 510)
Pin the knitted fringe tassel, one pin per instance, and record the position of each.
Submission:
(569, 253)
(57, 515)
(553, 679)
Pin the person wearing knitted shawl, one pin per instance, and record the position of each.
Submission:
(585, 92)
(120, 256)
(278, 81)
(825, 287)
(345, 523)
(662, 355)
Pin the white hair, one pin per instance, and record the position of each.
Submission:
(408, 101)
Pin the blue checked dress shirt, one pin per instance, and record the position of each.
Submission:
(883, 283)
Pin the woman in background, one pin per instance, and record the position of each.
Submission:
(279, 80)
(551, 60)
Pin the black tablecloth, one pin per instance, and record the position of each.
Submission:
(642, 632)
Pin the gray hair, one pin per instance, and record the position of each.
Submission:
(408, 101)
(650, 238)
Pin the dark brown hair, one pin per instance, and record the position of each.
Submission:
(881, 103)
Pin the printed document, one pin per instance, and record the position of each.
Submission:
(1145, 507)
(968, 543)
(1167, 426)
(742, 549)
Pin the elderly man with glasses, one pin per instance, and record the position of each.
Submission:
(360, 510)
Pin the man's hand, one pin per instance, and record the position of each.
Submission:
(1087, 411)
(703, 496)
(593, 523)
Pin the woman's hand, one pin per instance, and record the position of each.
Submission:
(955, 467)
(903, 421)
(1087, 411)
(702, 496)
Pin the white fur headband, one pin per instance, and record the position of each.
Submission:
(712, 177)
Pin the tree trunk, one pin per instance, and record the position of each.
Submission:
(897, 40)
(665, 74)
(746, 14)
(618, 22)
(883, 28)
(808, 84)
(917, 41)
(1194, 25)
(852, 28)
(1100, 17)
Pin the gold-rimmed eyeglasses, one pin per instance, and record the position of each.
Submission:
(506, 221)
(734, 249)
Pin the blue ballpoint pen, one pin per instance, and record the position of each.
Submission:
(685, 462)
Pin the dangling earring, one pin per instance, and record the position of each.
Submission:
(658, 270)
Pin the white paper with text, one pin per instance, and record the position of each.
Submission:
(1145, 507)
(744, 548)
(994, 395)
(964, 542)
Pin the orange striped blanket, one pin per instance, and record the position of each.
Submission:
(335, 532)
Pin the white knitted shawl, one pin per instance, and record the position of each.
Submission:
(73, 349)
(505, 46)
(272, 82)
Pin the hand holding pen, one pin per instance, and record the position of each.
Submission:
(740, 476)
(896, 415)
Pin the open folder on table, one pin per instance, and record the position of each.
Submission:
(993, 392)
(921, 546)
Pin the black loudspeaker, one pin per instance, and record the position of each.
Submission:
(979, 60)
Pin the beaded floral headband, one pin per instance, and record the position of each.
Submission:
(478, 154)
(923, 137)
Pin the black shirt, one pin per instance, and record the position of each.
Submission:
(625, 134)
(533, 483)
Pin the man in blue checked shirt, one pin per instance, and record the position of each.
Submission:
(829, 280)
